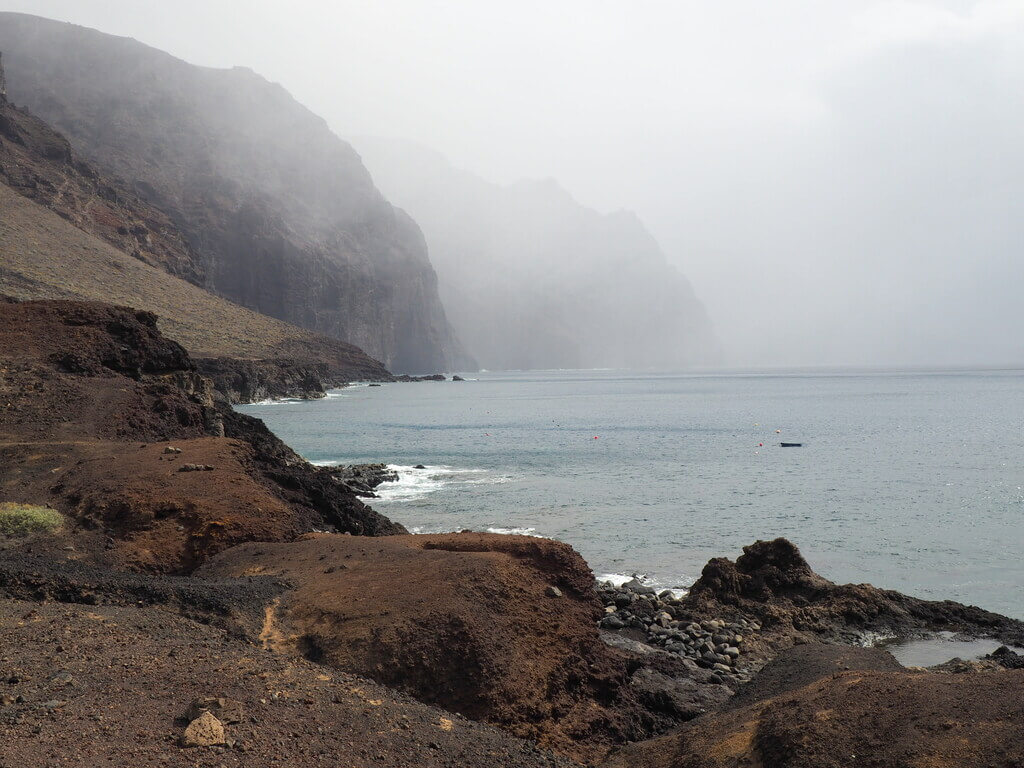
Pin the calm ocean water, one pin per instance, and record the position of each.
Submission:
(912, 481)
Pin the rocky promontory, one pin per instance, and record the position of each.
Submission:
(100, 410)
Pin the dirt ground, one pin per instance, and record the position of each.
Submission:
(107, 685)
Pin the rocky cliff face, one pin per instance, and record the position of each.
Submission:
(532, 279)
(39, 163)
(281, 215)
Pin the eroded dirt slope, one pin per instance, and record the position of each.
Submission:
(106, 685)
(499, 628)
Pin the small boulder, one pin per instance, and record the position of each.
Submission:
(195, 468)
(172, 449)
(205, 731)
(552, 591)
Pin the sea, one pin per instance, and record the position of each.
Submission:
(907, 480)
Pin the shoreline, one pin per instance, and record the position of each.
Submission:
(189, 537)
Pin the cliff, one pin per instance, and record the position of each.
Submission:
(532, 279)
(70, 231)
(45, 257)
(279, 214)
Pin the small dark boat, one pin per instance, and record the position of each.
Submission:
(791, 445)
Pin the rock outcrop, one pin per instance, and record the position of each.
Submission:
(279, 213)
(532, 279)
(249, 381)
(501, 629)
(772, 583)
(99, 411)
(852, 709)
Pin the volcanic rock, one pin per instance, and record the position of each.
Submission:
(205, 731)
(862, 712)
(463, 621)
(90, 396)
(772, 584)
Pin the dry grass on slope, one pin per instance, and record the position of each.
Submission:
(43, 256)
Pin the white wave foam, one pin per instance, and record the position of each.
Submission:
(516, 532)
(280, 401)
(618, 579)
(325, 463)
(414, 484)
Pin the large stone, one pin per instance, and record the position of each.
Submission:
(205, 731)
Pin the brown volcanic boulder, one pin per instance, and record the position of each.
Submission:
(467, 622)
(766, 569)
(859, 717)
(773, 584)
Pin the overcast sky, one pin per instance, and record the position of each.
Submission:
(843, 182)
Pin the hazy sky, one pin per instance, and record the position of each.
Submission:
(843, 182)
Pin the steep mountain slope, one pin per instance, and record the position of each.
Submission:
(44, 256)
(39, 163)
(532, 279)
(281, 214)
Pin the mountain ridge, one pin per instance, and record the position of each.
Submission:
(531, 278)
(281, 214)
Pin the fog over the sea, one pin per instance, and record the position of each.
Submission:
(842, 182)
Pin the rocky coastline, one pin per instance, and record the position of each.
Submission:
(256, 609)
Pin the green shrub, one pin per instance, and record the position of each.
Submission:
(25, 519)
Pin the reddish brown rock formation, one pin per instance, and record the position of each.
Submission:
(469, 622)
(91, 394)
(108, 685)
(859, 713)
(772, 583)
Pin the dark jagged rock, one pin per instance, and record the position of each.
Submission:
(280, 213)
(362, 479)
(249, 381)
(431, 377)
(1007, 658)
(765, 570)
(772, 583)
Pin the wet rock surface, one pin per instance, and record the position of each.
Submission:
(362, 479)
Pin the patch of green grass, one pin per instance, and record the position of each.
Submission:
(26, 519)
